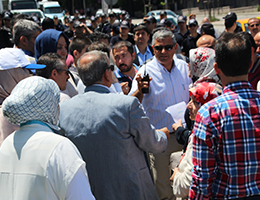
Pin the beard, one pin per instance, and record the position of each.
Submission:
(127, 69)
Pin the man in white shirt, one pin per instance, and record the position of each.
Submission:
(169, 86)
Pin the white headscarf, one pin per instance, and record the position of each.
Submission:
(201, 65)
(34, 98)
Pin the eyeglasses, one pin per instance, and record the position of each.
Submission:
(166, 47)
(112, 67)
(66, 70)
(252, 25)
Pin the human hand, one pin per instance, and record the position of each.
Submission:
(175, 126)
(142, 84)
(125, 88)
(176, 170)
(166, 132)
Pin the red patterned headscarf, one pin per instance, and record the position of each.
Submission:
(205, 91)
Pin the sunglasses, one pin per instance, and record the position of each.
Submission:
(112, 67)
(166, 47)
(252, 25)
(66, 70)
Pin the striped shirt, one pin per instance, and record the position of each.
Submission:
(226, 145)
(165, 89)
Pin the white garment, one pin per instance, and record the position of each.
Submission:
(165, 89)
(56, 171)
(258, 86)
(182, 179)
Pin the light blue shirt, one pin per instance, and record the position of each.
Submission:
(165, 89)
(143, 57)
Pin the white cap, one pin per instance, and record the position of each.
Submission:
(13, 58)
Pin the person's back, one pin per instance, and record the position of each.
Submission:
(112, 133)
(35, 162)
(227, 129)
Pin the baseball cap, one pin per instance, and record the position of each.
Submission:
(7, 15)
(194, 22)
(70, 20)
(112, 14)
(123, 12)
(128, 17)
(165, 22)
(231, 17)
(14, 58)
(163, 12)
(77, 24)
(92, 18)
(181, 18)
(151, 19)
(124, 24)
(103, 15)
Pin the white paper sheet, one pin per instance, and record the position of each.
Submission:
(177, 112)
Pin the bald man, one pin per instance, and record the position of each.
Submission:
(253, 26)
(206, 41)
(205, 19)
(257, 42)
(254, 73)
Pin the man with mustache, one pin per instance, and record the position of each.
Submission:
(124, 56)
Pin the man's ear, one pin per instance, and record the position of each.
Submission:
(75, 54)
(176, 45)
(23, 40)
(106, 75)
(54, 74)
(133, 55)
(217, 70)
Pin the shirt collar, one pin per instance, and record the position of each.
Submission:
(146, 52)
(162, 68)
(237, 85)
(120, 74)
(28, 53)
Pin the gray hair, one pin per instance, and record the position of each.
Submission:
(24, 27)
(162, 34)
(52, 61)
(93, 71)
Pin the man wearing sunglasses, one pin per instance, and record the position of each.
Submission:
(169, 86)
(112, 134)
(253, 26)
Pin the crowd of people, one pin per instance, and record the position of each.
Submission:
(84, 108)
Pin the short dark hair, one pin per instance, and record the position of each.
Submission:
(93, 71)
(250, 39)
(208, 29)
(47, 23)
(52, 61)
(95, 36)
(78, 43)
(127, 44)
(141, 27)
(99, 46)
(233, 54)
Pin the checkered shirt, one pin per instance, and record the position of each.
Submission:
(226, 145)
